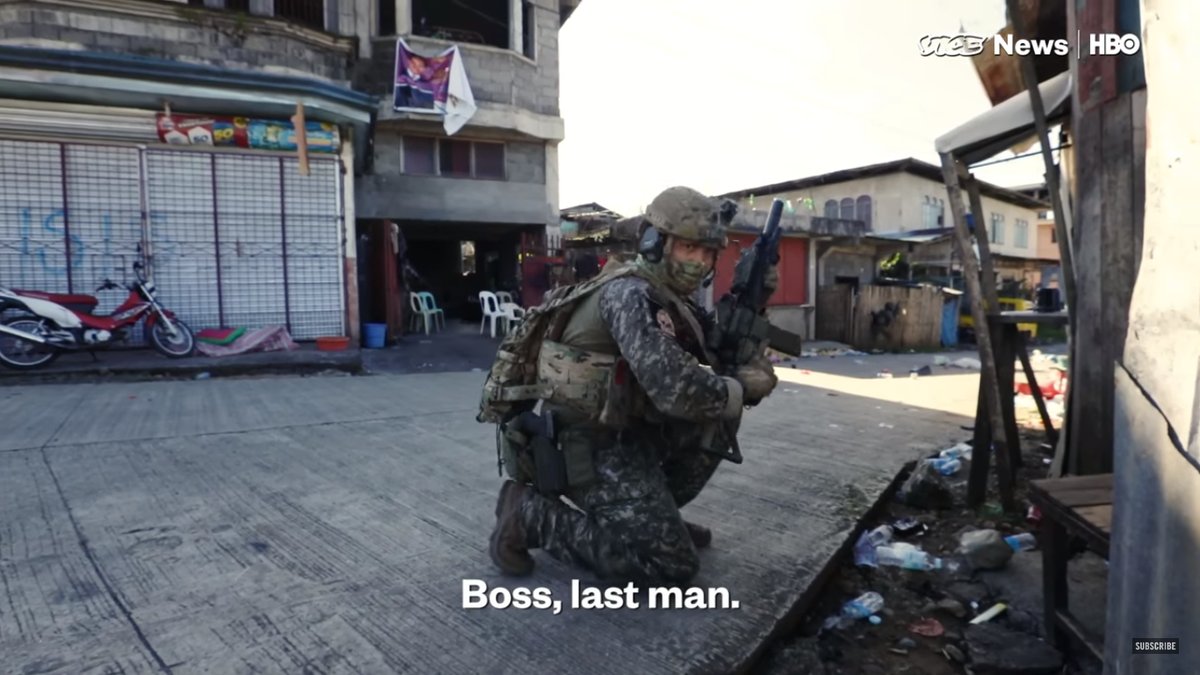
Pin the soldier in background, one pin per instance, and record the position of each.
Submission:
(635, 459)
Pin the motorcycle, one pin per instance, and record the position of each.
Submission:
(50, 324)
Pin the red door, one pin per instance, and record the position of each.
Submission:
(793, 269)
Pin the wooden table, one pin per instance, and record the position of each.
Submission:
(1008, 345)
(1074, 506)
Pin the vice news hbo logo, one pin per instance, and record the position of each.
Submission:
(1097, 44)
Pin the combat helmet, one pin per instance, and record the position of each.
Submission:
(685, 213)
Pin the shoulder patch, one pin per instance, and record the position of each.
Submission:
(665, 322)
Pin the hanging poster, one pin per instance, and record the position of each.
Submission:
(245, 132)
(433, 84)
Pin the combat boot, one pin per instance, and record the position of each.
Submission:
(701, 536)
(509, 546)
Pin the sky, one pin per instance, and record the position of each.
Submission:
(724, 96)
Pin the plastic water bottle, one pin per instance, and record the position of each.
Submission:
(907, 557)
(947, 467)
(960, 451)
(1021, 542)
(863, 606)
(880, 535)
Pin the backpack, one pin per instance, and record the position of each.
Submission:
(512, 385)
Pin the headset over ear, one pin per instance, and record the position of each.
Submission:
(652, 244)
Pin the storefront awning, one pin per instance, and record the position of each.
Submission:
(116, 80)
(1009, 123)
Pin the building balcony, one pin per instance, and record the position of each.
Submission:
(513, 95)
(234, 34)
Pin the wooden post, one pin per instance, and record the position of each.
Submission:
(1029, 73)
(300, 127)
(983, 337)
(990, 295)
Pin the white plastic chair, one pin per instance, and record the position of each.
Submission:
(513, 315)
(505, 298)
(490, 305)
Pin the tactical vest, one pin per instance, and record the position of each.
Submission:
(534, 363)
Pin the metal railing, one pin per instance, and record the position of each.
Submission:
(310, 13)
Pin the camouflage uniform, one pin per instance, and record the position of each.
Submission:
(627, 524)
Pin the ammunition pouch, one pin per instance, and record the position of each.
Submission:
(532, 451)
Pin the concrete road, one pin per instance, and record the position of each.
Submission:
(325, 525)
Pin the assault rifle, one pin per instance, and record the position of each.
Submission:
(741, 330)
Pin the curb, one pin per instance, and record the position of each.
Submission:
(792, 618)
(352, 365)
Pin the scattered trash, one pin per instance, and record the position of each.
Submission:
(906, 556)
(901, 652)
(960, 451)
(952, 607)
(885, 374)
(940, 360)
(203, 376)
(1022, 542)
(860, 362)
(926, 489)
(991, 509)
(954, 654)
(863, 606)
(874, 620)
(928, 627)
(864, 551)
(1034, 514)
(906, 643)
(880, 535)
(946, 466)
(969, 364)
(909, 527)
(985, 549)
(917, 372)
(992, 612)
(885, 425)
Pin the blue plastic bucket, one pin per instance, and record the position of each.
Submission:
(374, 335)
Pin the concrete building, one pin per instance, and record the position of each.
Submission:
(490, 189)
(1047, 237)
(95, 135)
(169, 125)
(906, 201)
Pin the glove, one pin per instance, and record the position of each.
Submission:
(758, 380)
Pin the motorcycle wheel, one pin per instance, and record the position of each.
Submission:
(178, 347)
(18, 354)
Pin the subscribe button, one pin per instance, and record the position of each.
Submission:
(1155, 646)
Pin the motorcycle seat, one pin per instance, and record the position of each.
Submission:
(78, 303)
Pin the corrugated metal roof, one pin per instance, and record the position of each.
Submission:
(908, 165)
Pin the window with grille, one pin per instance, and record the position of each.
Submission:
(996, 235)
(932, 212)
(831, 209)
(489, 160)
(310, 13)
(420, 156)
(847, 209)
(862, 208)
(529, 29)
(427, 156)
(1021, 233)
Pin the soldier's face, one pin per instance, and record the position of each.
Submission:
(683, 251)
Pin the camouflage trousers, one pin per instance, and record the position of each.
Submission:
(630, 527)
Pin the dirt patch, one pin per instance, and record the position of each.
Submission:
(939, 603)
